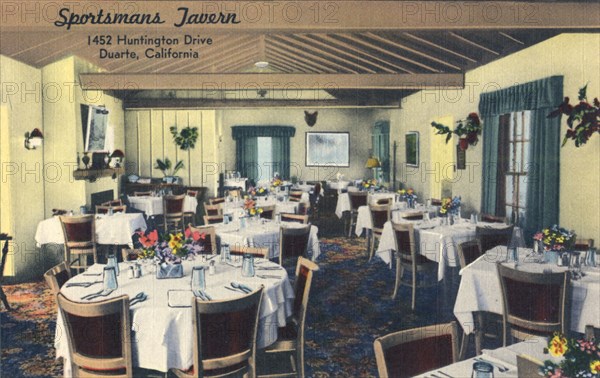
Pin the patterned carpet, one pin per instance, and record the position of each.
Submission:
(350, 306)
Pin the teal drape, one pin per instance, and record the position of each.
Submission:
(540, 97)
(247, 148)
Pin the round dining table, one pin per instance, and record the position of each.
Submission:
(163, 334)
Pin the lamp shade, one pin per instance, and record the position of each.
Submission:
(373, 162)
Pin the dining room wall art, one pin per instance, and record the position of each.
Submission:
(328, 149)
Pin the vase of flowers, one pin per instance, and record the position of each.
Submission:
(450, 208)
(370, 184)
(251, 209)
(168, 250)
(555, 241)
(581, 358)
(409, 196)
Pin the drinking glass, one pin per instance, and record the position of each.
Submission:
(198, 278)
(225, 252)
(426, 217)
(482, 370)
(112, 262)
(248, 265)
(109, 278)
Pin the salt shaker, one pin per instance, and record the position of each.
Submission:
(137, 273)
(211, 268)
(130, 273)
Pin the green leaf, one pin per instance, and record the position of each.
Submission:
(565, 139)
(582, 93)
(178, 166)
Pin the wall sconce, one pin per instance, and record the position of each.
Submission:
(33, 139)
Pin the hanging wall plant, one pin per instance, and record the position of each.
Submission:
(186, 139)
(583, 118)
(468, 130)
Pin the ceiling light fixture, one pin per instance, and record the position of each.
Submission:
(261, 64)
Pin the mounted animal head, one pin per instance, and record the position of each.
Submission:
(310, 119)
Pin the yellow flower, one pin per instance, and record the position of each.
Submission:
(558, 346)
(595, 367)
(261, 190)
(253, 211)
(260, 210)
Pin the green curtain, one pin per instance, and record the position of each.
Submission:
(246, 138)
(540, 97)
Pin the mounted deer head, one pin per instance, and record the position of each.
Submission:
(310, 119)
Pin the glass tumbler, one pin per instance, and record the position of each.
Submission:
(198, 278)
(109, 278)
(482, 370)
(112, 261)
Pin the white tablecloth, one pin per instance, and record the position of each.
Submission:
(114, 229)
(343, 202)
(437, 243)
(236, 182)
(506, 356)
(363, 219)
(259, 234)
(480, 290)
(154, 205)
(338, 185)
(280, 206)
(164, 335)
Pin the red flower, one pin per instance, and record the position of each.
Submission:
(148, 240)
(196, 236)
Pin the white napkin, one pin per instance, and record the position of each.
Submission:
(180, 298)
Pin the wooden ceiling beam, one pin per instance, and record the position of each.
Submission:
(314, 51)
(301, 60)
(187, 103)
(475, 44)
(291, 16)
(508, 36)
(293, 65)
(117, 81)
(411, 50)
(299, 54)
(438, 46)
(385, 52)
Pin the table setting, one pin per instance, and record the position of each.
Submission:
(436, 239)
(258, 232)
(480, 290)
(161, 308)
(153, 205)
(115, 229)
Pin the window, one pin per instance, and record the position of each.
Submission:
(514, 158)
(264, 158)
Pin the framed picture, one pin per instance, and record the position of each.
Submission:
(94, 121)
(412, 148)
(328, 149)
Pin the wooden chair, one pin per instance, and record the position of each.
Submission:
(384, 201)
(592, 332)
(210, 238)
(436, 202)
(535, 304)
(293, 242)
(380, 214)
(288, 217)
(80, 240)
(468, 252)
(357, 199)
(212, 219)
(216, 201)
(130, 254)
(4, 238)
(414, 351)
(190, 215)
(173, 212)
(268, 212)
(102, 209)
(99, 337)
(239, 250)
(583, 244)
(407, 258)
(213, 210)
(296, 196)
(290, 340)
(57, 276)
(493, 218)
(224, 337)
(489, 238)
(116, 202)
(142, 194)
(417, 215)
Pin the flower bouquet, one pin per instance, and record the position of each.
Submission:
(250, 207)
(257, 191)
(583, 118)
(408, 195)
(368, 184)
(581, 358)
(450, 206)
(468, 130)
(555, 238)
(167, 251)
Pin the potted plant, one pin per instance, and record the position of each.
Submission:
(186, 140)
(468, 130)
(583, 118)
(167, 169)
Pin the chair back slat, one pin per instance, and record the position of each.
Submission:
(213, 210)
(405, 240)
(297, 218)
(210, 238)
(414, 351)
(79, 232)
(489, 238)
(142, 194)
(268, 212)
(173, 204)
(212, 219)
(357, 199)
(293, 241)
(413, 216)
(380, 214)
(216, 201)
(468, 252)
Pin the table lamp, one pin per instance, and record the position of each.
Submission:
(373, 163)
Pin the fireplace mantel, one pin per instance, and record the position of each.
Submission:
(93, 174)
